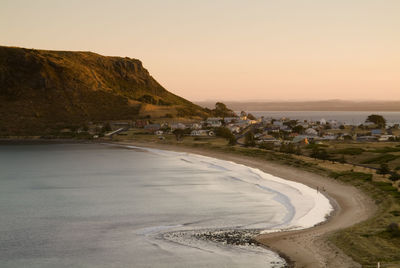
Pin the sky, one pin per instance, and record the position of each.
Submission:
(229, 49)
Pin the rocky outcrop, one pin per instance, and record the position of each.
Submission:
(40, 88)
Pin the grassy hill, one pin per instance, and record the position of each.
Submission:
(41, 90)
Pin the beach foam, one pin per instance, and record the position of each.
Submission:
(305, 206)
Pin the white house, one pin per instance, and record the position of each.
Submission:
(195, 126)
(199, 132)
(214, 121)
(385, 137)
(311, 132)
(234, 128)
(231, 119)
(178, 126)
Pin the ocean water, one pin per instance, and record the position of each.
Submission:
(347, 117)
(108, 206)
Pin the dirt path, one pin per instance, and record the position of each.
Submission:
(309, 247)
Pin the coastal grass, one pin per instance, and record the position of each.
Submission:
(370, 242)
(381, 159)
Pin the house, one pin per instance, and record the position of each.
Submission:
(140, 123)
(334, 124)
(328, 137)
(265, 121)
(177, 126)
(368, 124)
(120, 124)
(376, 132)
(266, 138)
(214, 121)
(228, 120)
(159, 132)
(311, 132)
(195, 126)
(152, 127)
(199, 132)
(367, 138)
(234, 129)
(385, 137)
(243, 123)
(301, 139)
(286, 128)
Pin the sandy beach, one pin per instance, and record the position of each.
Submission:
(307, 247)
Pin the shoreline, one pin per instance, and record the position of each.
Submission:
(300, 248)
(305, 247)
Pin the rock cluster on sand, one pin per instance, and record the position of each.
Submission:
(230, 237)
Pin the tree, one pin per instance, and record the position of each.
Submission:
(377, 119)
(147, 99)
(266, 145)
(394, 176)
(319, 153)
(222, 111)
(251, 117)
(106, 128)
(291, 123)
(227, 134)
(298, 150)
(289, 148)
(394, 229)
(298, 129)
(179, 133)
(249, 139)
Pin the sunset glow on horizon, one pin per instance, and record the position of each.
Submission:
(229, 50)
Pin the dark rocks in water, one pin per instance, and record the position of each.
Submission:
(230, 237)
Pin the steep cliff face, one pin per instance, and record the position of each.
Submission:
(39, 89)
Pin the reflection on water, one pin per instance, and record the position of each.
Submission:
(102, 206)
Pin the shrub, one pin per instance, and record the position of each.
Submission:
(383, 169)
(147, 99)
(351, 175)
(179, 133)
(266, 145)
(394, 176)
(381, 159)
(393, 229)
(249, 139)
(349, 151)
(319, 153)
(386, 150)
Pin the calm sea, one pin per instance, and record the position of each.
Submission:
(106, 206)
(348, 117)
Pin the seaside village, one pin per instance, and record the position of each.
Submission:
(264, 131)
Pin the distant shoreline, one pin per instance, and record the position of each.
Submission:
(304, 106)
(31, 141)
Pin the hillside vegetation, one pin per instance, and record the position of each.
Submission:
(42, 90)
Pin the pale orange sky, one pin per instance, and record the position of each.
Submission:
(227, 49)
